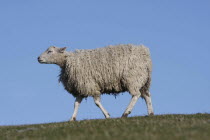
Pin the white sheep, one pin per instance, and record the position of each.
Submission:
(108, 70)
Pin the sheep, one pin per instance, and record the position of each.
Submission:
(107, 70)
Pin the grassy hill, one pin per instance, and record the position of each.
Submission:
(161, 127)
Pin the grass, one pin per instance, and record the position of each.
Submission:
(161, 127)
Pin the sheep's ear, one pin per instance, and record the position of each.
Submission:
(61, 50)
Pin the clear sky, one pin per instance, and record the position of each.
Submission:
(176, 31)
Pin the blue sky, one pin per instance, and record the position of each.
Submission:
(177, 33)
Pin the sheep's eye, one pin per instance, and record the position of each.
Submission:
(49, 52)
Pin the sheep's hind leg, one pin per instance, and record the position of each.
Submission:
(148, 100)
(76, 107)
(97, 100)
(133, 101)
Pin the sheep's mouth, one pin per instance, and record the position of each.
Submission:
(41, 61)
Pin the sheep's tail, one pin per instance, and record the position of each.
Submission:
(146, 87)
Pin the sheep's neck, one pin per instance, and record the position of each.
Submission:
(61, 61)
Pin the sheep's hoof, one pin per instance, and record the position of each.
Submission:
(124, 116)
(107, 116)
(151, 114)
(72, 120)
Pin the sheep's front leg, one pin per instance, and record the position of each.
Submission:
(76, 106)
(97, 100)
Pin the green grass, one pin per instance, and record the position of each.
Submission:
(161, 127)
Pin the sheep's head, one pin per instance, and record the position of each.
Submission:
(53, 55)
